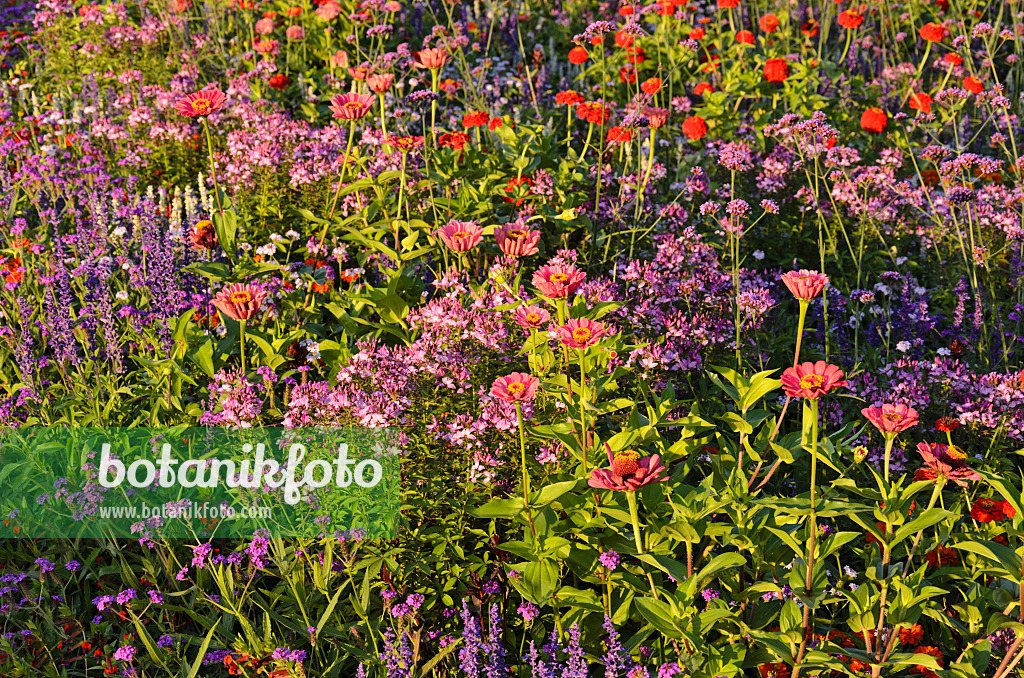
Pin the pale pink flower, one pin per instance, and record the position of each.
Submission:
(516, 386)
(430, 58)
(265, 26)
(201, 103)
(339, 59)
(380, 82)
(531, 317)
(558, 282)
(656, 117)
(239, 301)
(627, 472)
(295, 33)
(516, 241)
(812, 380)
(267, 46)
(804, 284)
(328, 11)
(581, 333)
(461, 236)
(351, 106)
(891, 419)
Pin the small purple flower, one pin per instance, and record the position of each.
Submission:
(72, 566)
(182, 574)
(156, 597)
(44, 564)
(609, 559)
(528, 611)
(125, 653)
(124, 596)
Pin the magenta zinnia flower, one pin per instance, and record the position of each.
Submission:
(516, 386)
(944, 461)
(891, 419)
(351, 106)
(804, 284)
(531, 317)
(581, 333)
(239, 301)
(461, 236)
(201, 103)
(628, 472)
(404, 144)
(516, 241)
(558, 282)
(812, 380)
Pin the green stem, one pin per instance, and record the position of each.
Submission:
(241, 342)
(522, 452)
(213, 168)
(638, 536)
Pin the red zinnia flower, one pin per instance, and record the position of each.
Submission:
(809, 28)
(513, 184)
(947, 424)
(911, 635)
(931, 651)
(627, 74)
(695, 128)
(623, 39)
(974, 85)
(851, 18)
(874, 120)
(201, 103)
(569, 98)
(476, 119)
(953, 58)
(456, 140)
(987, 510)
(728, 4)
(812, 380)
(697, 33)
(592, 112)
(280, 81)
(651, 86)
(578, 55)
(703, 88)
(945, 461)
(932, 32)
(619, 135)
(921, 102)
(776, 70)
(769, 23)
(745, 38)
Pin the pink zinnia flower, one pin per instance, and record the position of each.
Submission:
(239, 301)
(531, 317)
(380, 82)
(944, 461)
(295, 33)
(351, 106)
(267, 46)
(516, 241)
(339, 59)
(430, 58)
(812, 380)
(516, 386)
(404, 144)
(804, 284)
(201, 103)
(265, 26)
(328, 11)
(558, 282)
(628, 472)
(891, 419)
(461, 236)
(581, 333)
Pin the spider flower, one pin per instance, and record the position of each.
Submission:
(891, 419)
(515, 387)
(351, 106)
(581, 333)
(944, 461)
(461, 236)
(516, 241)
(558, 282)
(201, 103)
(239, 301)
(627, 472)
(812, 380)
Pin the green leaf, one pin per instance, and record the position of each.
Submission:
(500, 508)
(198, 663)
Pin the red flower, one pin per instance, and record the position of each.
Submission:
(651, 86)
(637, 55)
(769, 23)
(932, 32)
(775, 670)
(987, 510)
(623, 39)
(703, 88)
(924, 670)
(921, 102)
(569, 98)
(627, 74)
(12, 270)
(812, 380)
(947, 424)
(874, 120)
(578, 55)
(911, 635)
(593, 112)
(776, 70)
(280, 81)
(974, 85)
(851, 18)
(475, 119)
(940, 556)
(619, 135)
(496, 123)
(945, 461)
(513, 185)
(695, 128)
(456, 140)
(810, 28)
(953, 58)
(745, 38)
(697, 33)
(728, 4)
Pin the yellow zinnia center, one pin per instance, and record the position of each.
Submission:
(240, 297)
(515, 234)
(533, 318)
(559, 277)
(516, 387)
(201, 105)
(954, 452)
(581, 334)
(811, 381)
(460, 234)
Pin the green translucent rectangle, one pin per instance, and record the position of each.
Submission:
(186, 482)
